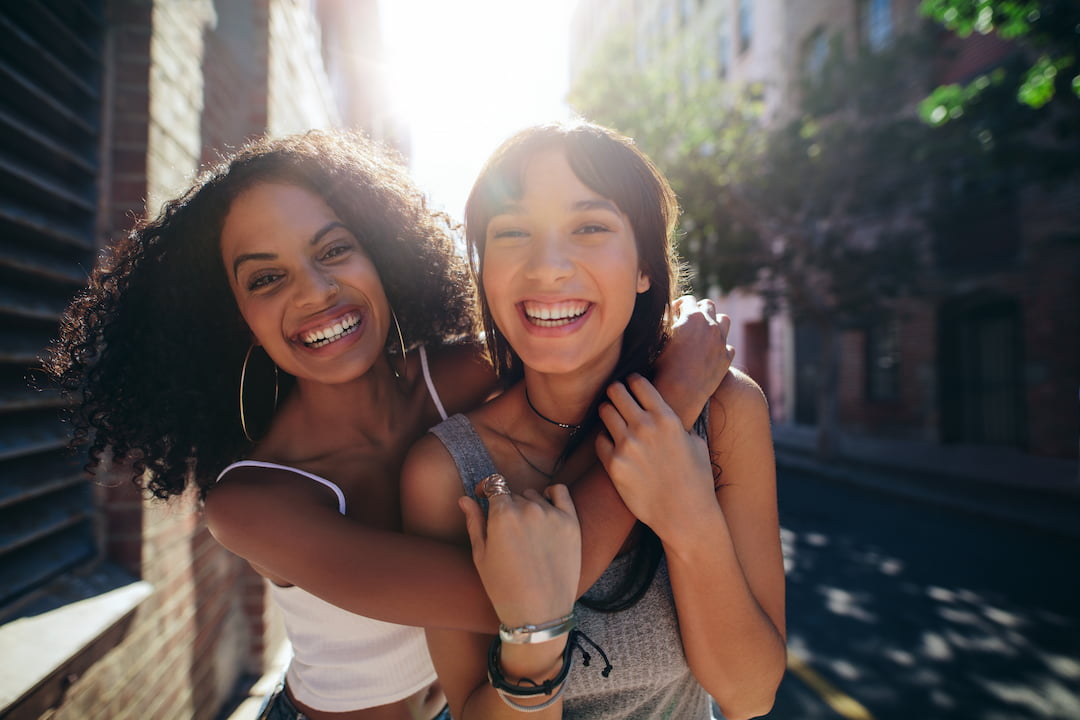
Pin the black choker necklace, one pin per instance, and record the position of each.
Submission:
(565, 426)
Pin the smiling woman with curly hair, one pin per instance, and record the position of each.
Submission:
(276, 339)
(158, 383)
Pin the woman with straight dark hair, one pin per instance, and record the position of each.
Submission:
(570, 231)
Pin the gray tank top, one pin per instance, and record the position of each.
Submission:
(650, 679)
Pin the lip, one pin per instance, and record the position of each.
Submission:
(558, 326)
(354, 318)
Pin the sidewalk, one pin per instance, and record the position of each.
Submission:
(250, 691)
(1008, 485)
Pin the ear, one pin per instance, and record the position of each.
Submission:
(643, 282)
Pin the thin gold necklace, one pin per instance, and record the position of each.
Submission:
(549, 475)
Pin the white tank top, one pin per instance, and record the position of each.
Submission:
(343, 661)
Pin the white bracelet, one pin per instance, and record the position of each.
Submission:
(506, 698)
(527, 634)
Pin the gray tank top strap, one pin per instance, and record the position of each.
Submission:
(471, 457)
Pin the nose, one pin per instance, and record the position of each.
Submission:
(315, 287)
(549, 259)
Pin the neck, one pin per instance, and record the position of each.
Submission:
(363, 407)
(558, 403)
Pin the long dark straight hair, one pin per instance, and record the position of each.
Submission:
(612, 166)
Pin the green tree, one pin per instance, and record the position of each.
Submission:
(841, 192)
(1045, 63)
(818, 213)
(698, 132)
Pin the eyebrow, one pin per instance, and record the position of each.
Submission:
(514, 208)
(270, 256)
(602, 204)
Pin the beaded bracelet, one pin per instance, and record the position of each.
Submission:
(508, 690)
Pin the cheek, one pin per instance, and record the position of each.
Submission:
(494, 284)
(492, 279)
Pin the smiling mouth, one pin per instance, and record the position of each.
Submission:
(332, 333)
(551, 315)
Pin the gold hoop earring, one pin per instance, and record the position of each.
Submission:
(243, 376)
(401, 339)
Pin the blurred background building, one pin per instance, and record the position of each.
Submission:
(110, 607)
(957, 357)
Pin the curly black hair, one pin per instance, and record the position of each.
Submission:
(150, 351)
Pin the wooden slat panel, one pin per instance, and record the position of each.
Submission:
(47, 229)
(36, 475)
(50, 70)
(37, 564)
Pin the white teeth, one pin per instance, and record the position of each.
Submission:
(327, 335)
(555, 314)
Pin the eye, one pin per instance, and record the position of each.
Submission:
(590, 228)
(508, 235)
(335, 250)
(262, 280)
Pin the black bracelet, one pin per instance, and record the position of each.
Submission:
(499, 681)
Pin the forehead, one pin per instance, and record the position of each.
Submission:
(547, 180)
(548, 170)
(273, 211)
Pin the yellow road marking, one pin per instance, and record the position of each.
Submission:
(842, 703)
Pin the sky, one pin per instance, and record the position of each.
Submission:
(465, 74)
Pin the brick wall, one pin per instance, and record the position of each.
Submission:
(184, 79)
(298, 90)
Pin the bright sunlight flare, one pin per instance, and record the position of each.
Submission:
(463, 75)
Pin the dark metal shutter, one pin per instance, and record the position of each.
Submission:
(50, 106)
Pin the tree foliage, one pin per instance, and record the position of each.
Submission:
(813, 211)
(1046, 63)
(698, 133)
(840, 187)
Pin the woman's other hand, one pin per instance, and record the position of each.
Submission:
(528, 553)
(662, 472)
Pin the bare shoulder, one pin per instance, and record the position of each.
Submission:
(739, 391)
(251, 508)
(462, 375)
(737, 410)
(430, 488)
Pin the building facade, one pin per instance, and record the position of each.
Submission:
(988, 362)
(112, 606)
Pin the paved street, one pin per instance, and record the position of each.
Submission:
(900, 610)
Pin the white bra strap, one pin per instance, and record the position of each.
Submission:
(275, 466)
(430, 385)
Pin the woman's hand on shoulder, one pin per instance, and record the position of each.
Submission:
(662, 472)
(696, 358)
(528, 553)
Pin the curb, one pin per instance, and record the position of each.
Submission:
(1039, 507)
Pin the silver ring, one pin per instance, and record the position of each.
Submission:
(492, 485)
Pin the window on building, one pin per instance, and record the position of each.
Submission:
(982, 370)
(883, 361)
(815, 55)
(723, 49)
(687, 12)
(876, 23)
(667, 18)
(746, 24)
